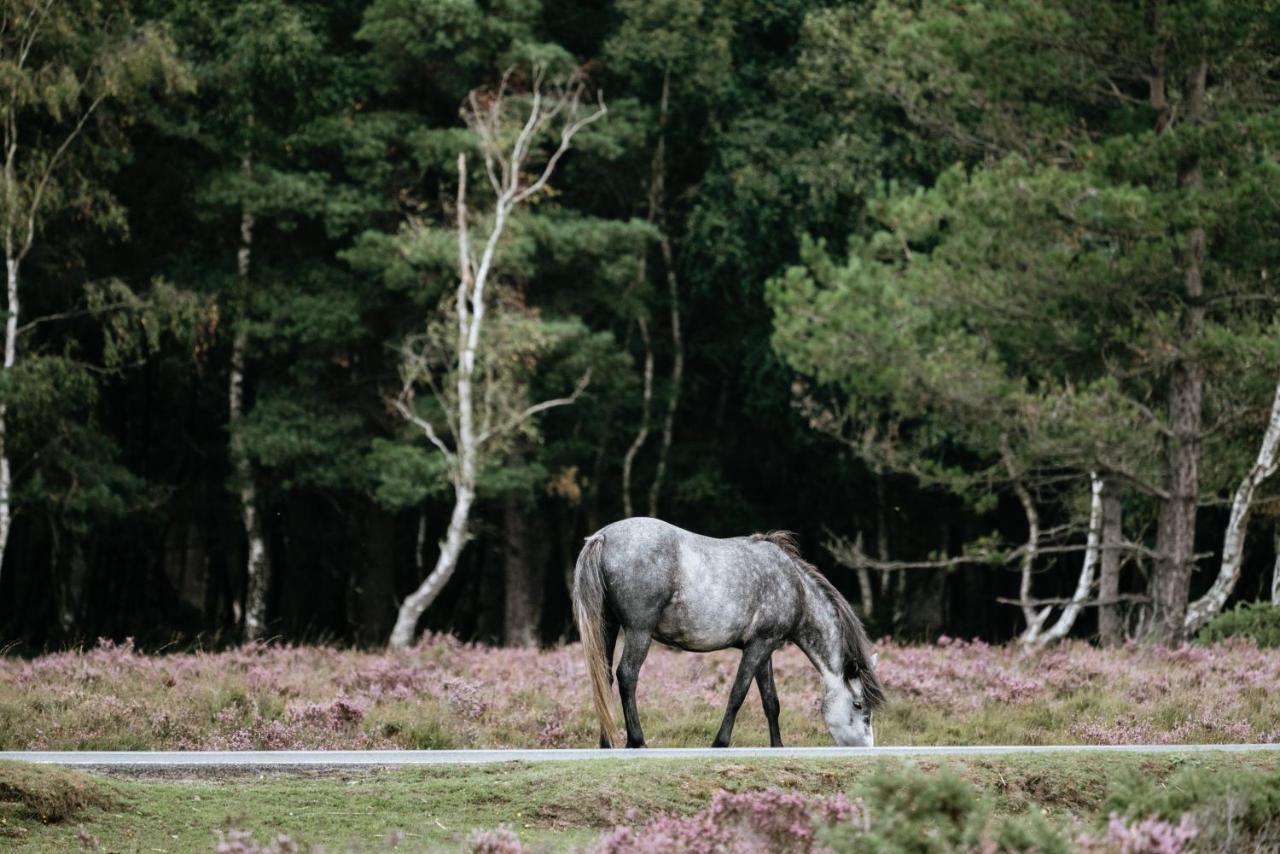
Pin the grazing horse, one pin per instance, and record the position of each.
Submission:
(653, 581)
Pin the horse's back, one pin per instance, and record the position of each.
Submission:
(697, 592)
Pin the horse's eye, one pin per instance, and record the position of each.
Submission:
(857, 705)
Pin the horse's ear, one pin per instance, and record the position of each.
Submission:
(875, 659)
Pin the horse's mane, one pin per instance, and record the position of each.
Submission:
(856, 644)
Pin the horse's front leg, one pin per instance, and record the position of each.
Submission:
(752, 657)
(769, 698)
(635, 646)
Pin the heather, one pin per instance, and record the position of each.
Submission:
(1112, 804)
(443, 693)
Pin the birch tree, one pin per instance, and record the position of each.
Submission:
(1084, 585)
(470, 420)
(257, 559)
(1204, 609)
(61, 66)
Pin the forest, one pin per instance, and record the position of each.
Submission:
(344, 321)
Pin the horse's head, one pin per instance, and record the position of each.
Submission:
(847, 710)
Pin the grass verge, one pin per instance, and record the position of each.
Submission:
(552, 806)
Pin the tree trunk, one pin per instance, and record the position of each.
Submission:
(257, 561)
(10, 359)
(1034, 620)
(1175, 532)
(522, 580)
(1084, 584)
(864, 582)
(1275, 569)
(882, 529)
(1110, 624)
(642, 433)
(1208, 605)
(470, 307)
(415, 603)
(673, 296)
(371, 586)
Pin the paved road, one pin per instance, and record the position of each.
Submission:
(331, 758)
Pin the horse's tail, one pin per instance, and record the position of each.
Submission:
(588, 609)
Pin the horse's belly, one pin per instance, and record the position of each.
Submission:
(702, 628)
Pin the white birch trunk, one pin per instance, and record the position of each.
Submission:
(10, 359)
(257, 560)
(1035, 620)
(1275, 571)
(1067, 618)
(1207, 606)
(470, 309)
(412, 608)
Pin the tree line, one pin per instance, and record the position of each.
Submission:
(347, 320)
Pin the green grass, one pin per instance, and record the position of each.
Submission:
(553, 806)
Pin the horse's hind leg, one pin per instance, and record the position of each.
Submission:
(752, 657)
(635, 646)
(769, 698)
(610, 641)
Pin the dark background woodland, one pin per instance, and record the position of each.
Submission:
(795, 144)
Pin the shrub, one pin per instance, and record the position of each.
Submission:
(1258, 621)
(909, 810)
(1227, 807)
(49, 793)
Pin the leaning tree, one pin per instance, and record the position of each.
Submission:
(475, 397)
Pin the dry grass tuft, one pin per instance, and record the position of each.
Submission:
(48, 793)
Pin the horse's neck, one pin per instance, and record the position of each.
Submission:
(818, 634)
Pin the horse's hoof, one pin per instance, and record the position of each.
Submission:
(719, 743)
(636, 744)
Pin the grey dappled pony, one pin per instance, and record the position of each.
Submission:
(653, 581)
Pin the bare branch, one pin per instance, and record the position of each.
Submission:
(25, 48)
(71, 315)
(566, 136)
(1135, 480)
(52, 165)
(405, 408)
(1091, 603)
(531, 411)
